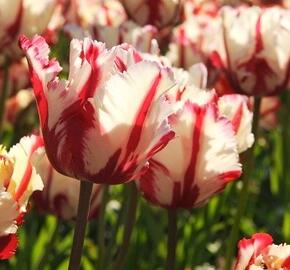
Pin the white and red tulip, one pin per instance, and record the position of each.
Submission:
(193, 42)
(259, 253)
(108, 118)
(61, 193)
(27, 17)
(202, 158)
(140, 37)
(18, 180)
(257, 52)
(95, 13)
(159, 13)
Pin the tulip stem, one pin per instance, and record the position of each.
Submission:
(102, 227)
(132, 205)
(244, 193)
(4, 94)
(172, 239)
(80, 227)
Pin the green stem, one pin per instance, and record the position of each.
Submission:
(4, 95)
(244, 193)
(101, 228)
(80, 227)
(49, 247)
(128, 227)
(172, 239)
(285, 168)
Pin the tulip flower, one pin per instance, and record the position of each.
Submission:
(192, 42)
(108, 118)
(260, 253)
(257, 53)
(202, 158)
(60, 193)
(27, 17)
(18, 181)
(159, 13)
(95, 12)
(141, 38)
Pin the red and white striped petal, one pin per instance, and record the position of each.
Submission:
(24, 180)
(197, 163)
(235, 108)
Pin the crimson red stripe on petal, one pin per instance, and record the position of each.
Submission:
(8, 245)
(76, 119)
(28, 170)
(24, 182)
(230, 175)
(286, 264)
(107, 172)
(147, 181)
(261, 241)
(141, 116)
(259, 40)
(120, 64)
(189, 177)
(162, 143)
(91, 54)
(237, 118)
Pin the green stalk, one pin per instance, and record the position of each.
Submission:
(80, 227)
(101, 229)
(285, 169)
(172, 239)
(244, 193)
(128, 227)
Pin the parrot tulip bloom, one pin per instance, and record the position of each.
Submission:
(27, 17)
(18, 181)
(193, 42)
(141, 38)
(108, 118)
(257, 52)
(60, 193)
(202, 158)
(95, 12)
(259, 253)
(159, 13)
